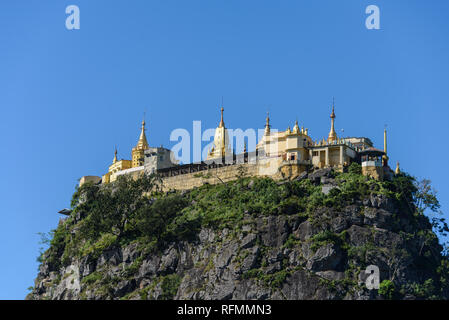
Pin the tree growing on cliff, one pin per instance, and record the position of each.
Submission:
(426, 201)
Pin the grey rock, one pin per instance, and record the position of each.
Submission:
(302, 176)
(274, 231)
(327, 188)
(382, 202)
(111, 256)
(248, 241)
(206, 235)
(331, 275)
(223, 291)
(250, 261)
(304, 231)
(359, 235)
(227, 253)
(302, 286)
(338, 224)
(315, 176)
(295, 257)
(123, 287)
(169, 261)
(249, 290)
(377, 217)
(325, 258)
(352, 215)
(149, 267)
(275, 255)
(130, 253)
(86, 266)
(328, 181)
(273, 268)
(44, 270)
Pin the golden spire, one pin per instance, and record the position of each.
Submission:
(221, 140)
(296, 127)
(221, 125)
(223, 136)
(385, 156)
(267, 124)
(398, 170)
(332, 134)
(142, 143)
(115, 156)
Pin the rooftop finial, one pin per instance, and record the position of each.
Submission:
(385, 156)
(332, 134)
(333, 108)
(221, 121)
(267, 124)
(142, 143)
(115, 155)
(296, 127)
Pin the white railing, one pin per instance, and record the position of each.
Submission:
(128, 171)
(372, 163)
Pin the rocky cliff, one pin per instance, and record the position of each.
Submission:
(311, 238)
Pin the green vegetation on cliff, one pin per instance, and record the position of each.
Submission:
(134, 212)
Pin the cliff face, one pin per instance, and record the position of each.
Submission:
(250, 239)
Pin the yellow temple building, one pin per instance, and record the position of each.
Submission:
(138, 159)
(286, 154)
(221, 147)
(138, 152)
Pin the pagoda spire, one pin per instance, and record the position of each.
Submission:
(115, 156)
(267, 124)
(221, 141)
(142, 143)
(296, 127)
(221, 125)
(332, 134)
(385, 156)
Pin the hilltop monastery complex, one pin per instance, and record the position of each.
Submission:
(279, 154)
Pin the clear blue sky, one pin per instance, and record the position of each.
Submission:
(67, 97)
